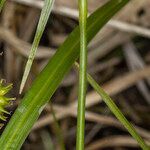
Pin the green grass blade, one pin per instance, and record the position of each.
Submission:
(116, 111)
(46, 10)
(2, 4)
(51, 76)
(82, 74)
(58, 130)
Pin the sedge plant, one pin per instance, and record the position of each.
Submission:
(82, 74)
(40, 92)
(48, 5)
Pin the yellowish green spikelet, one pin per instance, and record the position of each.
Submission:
(4, 101)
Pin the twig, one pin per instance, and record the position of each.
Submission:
(113, 141)
(23, 47)
(135, 62)
(73, 13)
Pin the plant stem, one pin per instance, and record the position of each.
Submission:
(51, 76)
(116, 111)
(82, 74)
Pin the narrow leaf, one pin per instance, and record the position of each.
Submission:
(116, 111)
(49, 79)
(46, 10)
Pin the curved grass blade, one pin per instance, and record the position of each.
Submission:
(82, 74)
(46, 10)
(116, 111)
(51, 76)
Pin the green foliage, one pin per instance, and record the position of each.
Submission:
(1, 4)
(4, 101)
(115, 110)
(46, 10)
(49, 79)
